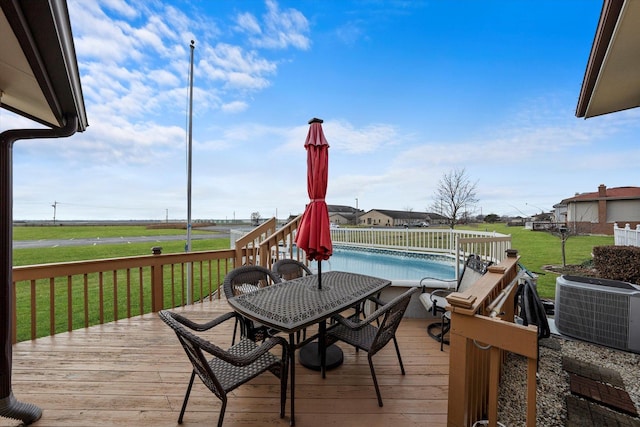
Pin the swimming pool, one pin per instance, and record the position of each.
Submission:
(402, 268)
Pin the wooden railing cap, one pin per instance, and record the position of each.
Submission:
(457, 299)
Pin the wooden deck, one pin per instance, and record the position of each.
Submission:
(134, 373)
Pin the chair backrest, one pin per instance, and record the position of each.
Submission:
(288, 269)
(193, 346)
(248, 278)
(393, 312)
(474, 268)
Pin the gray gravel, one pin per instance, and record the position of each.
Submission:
(553, 381)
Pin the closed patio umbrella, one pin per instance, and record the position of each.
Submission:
(314, 238)
(314, 234)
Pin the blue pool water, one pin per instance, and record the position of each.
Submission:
(399, 267)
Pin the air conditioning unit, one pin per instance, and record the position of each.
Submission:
(600, 311)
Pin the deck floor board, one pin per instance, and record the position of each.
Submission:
(134, 373)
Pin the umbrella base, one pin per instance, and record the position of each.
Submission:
(309, 356)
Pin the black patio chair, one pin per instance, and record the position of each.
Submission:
(361, 334)
(242, 280)
(228, 369)
(436, 301)
(288, 269)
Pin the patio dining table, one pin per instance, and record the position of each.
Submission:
(293, 305)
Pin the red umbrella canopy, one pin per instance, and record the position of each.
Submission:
(314, 234)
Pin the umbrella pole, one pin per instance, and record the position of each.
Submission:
(322, 344)
(317, 355)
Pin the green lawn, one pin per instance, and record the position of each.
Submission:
(61, 254)
(536, 248)
(79, 253)
(92, 231)
(82, 253)
(539, 248)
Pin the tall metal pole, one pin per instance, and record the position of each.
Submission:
(189, 133)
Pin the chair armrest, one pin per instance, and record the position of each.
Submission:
(348, 323)
(250, 357)
(358, 324)
(445, 283)
(200, 327)
(440, 293)
(377, 300)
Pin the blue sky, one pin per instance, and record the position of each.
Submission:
(408, 91)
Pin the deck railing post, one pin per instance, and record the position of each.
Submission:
(157, 283)
(478, 341)
(457, 414)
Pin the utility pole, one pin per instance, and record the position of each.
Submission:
(356, 211)
(54, 205)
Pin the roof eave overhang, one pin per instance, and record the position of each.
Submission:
(43, 30)
(610, 82)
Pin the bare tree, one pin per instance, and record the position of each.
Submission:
(455, 192)
(410, 216)
(564, 234)
(255, 218)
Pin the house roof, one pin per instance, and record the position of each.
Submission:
(616, 193)
(39, 80)
(346, 215)
(341, 209)
(39, 76)
(409, 215)
(611, 78)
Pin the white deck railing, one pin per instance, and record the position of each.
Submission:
(445, 241)
(458, 244)
(626, 236)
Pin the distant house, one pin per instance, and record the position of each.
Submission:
(516, 221)
(390, 218)
(341, 219)
(560, 213)
(542, 222)
(347, 215)
(340, 214)
(597, 212)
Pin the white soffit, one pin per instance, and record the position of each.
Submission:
(20, 89)
(618, 84)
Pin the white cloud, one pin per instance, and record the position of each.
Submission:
(236, 67)
(248, 23)
(234, 107)
(281, 28)
(121, 7)
(371, 138)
